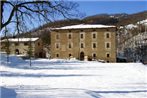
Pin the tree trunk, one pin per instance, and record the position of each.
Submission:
(2, 3)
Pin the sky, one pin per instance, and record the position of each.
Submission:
(93, 7)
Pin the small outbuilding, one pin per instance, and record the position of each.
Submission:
(22, 46)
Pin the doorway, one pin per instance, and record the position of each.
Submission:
(82, 56)
(40, 55)
(16, 51)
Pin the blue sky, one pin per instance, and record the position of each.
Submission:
(92, 7)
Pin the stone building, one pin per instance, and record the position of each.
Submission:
(21, 46)
(91, 42)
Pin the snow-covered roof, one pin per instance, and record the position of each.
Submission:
(21, 39)
(83, 26)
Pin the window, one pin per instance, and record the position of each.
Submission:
(107, 35)
(26, 44)
(69, 55)
(57, 45)
(108, 45)
(69, 35)
(38, 44)
(94, 55)
(93, 45)
(82, 36)
(82, 45)
(69, 46)
(57, 36)
(16, 44)
(94, 35)
(108, 55)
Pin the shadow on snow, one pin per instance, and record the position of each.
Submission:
(10, 74)
(7, 93)
(97, 94)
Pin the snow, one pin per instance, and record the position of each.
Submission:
(83, 26)
(13, 60)
(131, 26)
(143, 22)
(112, 16)
(59, 78)
(20, 39)
(7, 93)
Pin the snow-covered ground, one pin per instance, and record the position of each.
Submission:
(59, 78)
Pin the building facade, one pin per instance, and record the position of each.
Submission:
(92, 42)
(21, 46)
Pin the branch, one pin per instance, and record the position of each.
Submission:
(32, 2)
(10, 17)
(15, 7)
(9, 3)
(32, 9)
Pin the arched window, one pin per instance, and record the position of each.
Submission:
(94, 45)
(94, 55)
(107, 35)
(69, 36)
(16, 51)
(82, 45)
(70, 55)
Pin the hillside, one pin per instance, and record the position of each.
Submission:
(132, 41)
(106, 19)
(133, 18)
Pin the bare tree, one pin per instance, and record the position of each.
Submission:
(22, 13)
(30, 51)
(7, 44)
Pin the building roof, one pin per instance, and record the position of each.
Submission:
(20, 39)
(83, 26)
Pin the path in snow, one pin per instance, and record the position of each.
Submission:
(46, 92)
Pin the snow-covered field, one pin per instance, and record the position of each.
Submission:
(58, 78)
